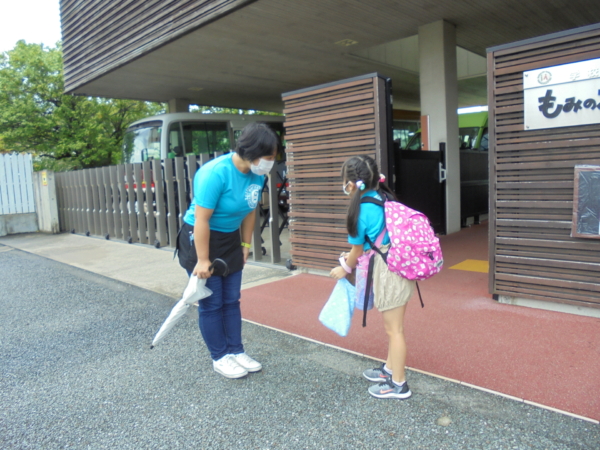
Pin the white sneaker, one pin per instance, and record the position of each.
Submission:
(227, 367)
(247, 363)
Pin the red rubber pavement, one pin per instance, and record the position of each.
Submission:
(545, 357)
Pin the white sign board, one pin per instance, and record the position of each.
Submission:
(562, 96)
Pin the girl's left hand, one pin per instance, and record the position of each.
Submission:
(246, 253)
(338, 273)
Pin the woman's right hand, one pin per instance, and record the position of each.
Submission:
(201, 269)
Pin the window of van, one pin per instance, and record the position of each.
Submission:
(142, 143)
(403, 130)
(175, 141)
(205, 137)
(468, 137)
(415, 142)
(484, 144)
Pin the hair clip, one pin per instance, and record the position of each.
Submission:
(360, 185)
(381, 178)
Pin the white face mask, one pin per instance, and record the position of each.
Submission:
(263, 167)
(344, 188)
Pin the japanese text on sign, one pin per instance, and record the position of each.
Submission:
(562, 96)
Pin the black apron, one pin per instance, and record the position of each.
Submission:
(226, 246)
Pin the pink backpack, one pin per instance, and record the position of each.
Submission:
(415, 252)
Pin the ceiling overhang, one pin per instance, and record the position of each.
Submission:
(248, 58)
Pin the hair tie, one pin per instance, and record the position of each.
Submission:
(360, 185)
(381, 178)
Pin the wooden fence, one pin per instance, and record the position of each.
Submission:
(532, 253)
(326, 125)
(142, 203)
(16, 185)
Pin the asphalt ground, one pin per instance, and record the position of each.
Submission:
(77, 373)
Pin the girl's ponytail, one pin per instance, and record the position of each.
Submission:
(353, 212)
(349, 173)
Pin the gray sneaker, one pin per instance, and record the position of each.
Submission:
(377, 375)
(390, 390)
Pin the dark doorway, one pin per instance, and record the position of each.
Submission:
(420, 184)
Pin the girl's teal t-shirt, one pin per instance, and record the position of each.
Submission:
(231, 194)
(371, 221)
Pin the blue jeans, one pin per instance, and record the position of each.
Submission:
(220, 316)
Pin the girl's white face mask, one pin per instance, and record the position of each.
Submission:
(263, 167)
(344, 188)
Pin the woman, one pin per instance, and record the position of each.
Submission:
(226, 193)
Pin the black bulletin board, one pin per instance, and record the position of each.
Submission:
(586, 203)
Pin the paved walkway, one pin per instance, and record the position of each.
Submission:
(140, 265)
(76, 372)
(542, 357)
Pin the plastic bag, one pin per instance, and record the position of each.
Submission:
(337, 312)
(362, 270)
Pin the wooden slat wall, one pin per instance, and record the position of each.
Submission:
(110, 202)
(531, 183)
(325, 126)
(100, 35)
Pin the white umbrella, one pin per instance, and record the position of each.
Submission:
(195, 290)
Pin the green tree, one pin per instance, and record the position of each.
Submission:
(62, 131)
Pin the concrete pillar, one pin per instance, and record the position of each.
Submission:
(179, 105)
(46, 205)
(439, 101)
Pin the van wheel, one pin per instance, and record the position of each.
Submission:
(157, 243)
(264, 251)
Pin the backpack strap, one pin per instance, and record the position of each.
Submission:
(379, 239)
(372, 200)
(419, 291)
(374, 246)
(368, 288)
(377, 244)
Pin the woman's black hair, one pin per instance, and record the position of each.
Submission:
(362, 168)
(257, 140)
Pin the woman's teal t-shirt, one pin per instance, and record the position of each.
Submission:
(371, 221)
(231, 194)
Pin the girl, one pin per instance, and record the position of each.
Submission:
(362, 179)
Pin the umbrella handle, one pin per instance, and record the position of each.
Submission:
(223, 263)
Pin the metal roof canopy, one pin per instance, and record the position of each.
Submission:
(247, 58)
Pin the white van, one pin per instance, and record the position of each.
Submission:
(179, 134)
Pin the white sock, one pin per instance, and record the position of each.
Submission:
(387, 369)
(399, 384)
